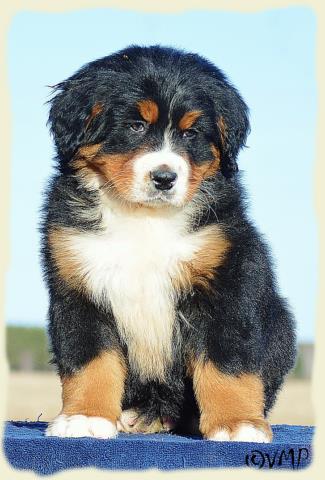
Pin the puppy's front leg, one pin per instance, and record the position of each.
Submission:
(231, 407)
(92, 399)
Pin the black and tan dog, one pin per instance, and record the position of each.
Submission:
(164, 312)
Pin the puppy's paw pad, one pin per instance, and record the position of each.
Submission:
(81, 426)
(221, 435)
(168, 423)
(127, 419)
(136, 421)
(249, 433)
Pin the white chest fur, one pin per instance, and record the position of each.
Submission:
(129, 266)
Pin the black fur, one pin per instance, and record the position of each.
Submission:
(245, 326)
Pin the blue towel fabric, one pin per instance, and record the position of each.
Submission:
(27, 448)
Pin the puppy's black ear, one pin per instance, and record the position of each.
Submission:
(73, 115)
(233, 126)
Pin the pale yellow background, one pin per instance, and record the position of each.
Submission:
(7, 12)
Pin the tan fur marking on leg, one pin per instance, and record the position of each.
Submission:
(227, 401)
(97, 389)
(201, 269)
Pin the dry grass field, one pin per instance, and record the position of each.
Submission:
(36, 394)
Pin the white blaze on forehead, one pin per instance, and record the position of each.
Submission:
(150, 161)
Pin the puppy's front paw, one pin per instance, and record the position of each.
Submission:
(81, 426)
(243, 432)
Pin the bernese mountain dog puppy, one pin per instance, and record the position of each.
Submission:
(164, 311)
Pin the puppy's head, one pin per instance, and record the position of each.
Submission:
(150, 124)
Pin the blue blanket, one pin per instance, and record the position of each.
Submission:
(27, 448)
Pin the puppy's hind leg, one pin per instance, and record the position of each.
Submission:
(137, 421)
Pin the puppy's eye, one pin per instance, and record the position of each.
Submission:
(138, 127)
(189, 133)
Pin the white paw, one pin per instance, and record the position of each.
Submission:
(245, 433)
(249, 433)
(81, 426)
(220, 436)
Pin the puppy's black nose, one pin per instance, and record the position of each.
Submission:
(163, 179)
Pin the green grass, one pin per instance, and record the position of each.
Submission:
(28, 349)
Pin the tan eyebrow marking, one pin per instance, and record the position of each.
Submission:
(188, 119)
(149, 110)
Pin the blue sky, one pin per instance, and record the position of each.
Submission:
(269, 56)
